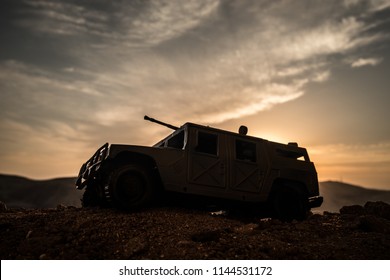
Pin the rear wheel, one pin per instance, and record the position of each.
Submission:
(130, 187)
(290, 203)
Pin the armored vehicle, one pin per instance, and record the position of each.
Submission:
(205, 162)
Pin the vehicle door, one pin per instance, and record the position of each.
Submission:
(207, 159)
(246, 171)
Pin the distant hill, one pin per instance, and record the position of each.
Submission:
(337, 195)
(18, 191)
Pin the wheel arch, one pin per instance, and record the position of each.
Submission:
(279, 183)
(288, 199)
(127, 157)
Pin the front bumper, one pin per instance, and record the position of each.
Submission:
(315, 201)
(90, 168)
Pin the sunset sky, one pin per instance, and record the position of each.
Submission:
(76, 74)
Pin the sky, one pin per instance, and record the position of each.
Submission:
(77, 74)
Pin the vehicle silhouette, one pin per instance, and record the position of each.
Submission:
(202, 161)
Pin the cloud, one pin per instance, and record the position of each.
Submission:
(321, 76)
(365, 62)
(131, 24)
(62, 18)
(374, 5)
(204, 60)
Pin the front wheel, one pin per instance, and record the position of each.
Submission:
(130, 187)
(290, 204)
(92, 197)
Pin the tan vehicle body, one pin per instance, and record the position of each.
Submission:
(208, 162)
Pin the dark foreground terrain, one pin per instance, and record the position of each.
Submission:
(356, 232)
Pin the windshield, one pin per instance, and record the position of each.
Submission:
(177, 140)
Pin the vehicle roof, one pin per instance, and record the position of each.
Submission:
(253, 138)
(217, 130)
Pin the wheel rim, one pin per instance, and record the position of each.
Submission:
(289, 205)
(130, 187)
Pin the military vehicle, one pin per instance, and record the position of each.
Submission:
(204, 162)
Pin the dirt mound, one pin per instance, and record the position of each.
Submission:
(182, 233)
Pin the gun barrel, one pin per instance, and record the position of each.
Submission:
(160, 122)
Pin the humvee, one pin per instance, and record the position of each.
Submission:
(206, 162)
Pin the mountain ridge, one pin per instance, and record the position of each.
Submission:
(22, 192)
(338, 194)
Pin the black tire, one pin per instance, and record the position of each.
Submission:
(91, 197)
(290, 203)
(130, 187)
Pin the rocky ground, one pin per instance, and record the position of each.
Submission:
(356, 232)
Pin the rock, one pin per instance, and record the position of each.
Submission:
(372, 223)
(3, 207)
(185, 243)
(246, 229)
(61, 207)
(29, 234)
(379, 208)
(356, 210)
(329, 214)
(206, 236)
(219, 213)
(315, 217)
(44, 257)
(134, 246)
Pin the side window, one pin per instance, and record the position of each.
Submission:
(245, 151)
(207, 143)
(176, 141)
